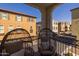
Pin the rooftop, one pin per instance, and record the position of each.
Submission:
(19, 13)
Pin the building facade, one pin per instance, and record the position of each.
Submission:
(10, 20)
(64, 27)
(75, 22)
(57, 27)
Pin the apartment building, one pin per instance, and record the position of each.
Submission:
(61, 27)
(10, 20)
(55, 27)
(75, 22)
(64, 27)
(58, 27)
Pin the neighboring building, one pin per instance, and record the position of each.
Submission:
(57, 27)
(38, 26)
(61, 27)
(10, 20)
(68, 25)
(75, 22)
(64, 27)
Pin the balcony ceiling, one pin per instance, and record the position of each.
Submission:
(45, 5)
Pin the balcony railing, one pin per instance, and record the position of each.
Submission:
(64, 45)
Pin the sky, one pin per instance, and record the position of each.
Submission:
(61, 13)
(23, 8)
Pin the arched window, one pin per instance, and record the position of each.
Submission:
(31, 29)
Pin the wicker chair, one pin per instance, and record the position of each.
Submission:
(46, 42)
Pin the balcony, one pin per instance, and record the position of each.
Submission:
(18, 42)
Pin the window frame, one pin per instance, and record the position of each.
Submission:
(1, 29)
(10, 28)
(20, 19)
(31, 19)
(4, 15)
(31, 29)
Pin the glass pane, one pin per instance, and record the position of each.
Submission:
(1, 29)
(4, 15)
(18, 17)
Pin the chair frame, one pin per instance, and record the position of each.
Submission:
(53, 37)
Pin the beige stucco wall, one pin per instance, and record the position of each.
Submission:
(25, 24)
(75, 23)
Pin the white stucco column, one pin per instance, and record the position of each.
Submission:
(46, 18)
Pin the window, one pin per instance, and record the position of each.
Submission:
(31, 30)
(31, 19)
(10, 27)
(18, 27)
(53, 28)
(1, 29)
(28, 19)
(0, 16)
(4, 15)
(18, 18)
(56, 23)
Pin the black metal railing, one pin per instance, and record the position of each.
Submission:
(12, 38)
(64, 45)
(67, 46)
